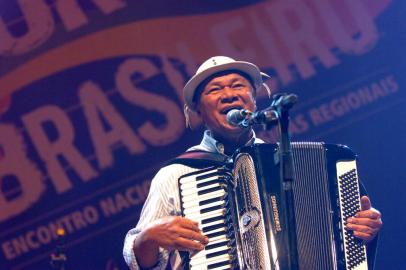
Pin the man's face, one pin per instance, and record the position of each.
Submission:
(219, 96)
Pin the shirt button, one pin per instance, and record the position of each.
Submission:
(220, 147)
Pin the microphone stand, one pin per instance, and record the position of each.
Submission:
(279, 112)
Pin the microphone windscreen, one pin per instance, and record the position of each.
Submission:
(235, 117)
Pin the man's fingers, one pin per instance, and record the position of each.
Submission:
(372, 214)
(364, 236)
(362, 228)
(189, 224)
(184, 244)
(373, 223)
(365, 203)
(363, 232)
(192, 235)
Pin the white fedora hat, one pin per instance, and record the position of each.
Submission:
(217, 64)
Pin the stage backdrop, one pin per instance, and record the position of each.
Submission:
(91, 106)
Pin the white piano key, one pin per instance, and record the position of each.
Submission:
(198, 217)
(205, 267)
(191, 201)
(217, 239)
(193, 178)
(200, 267)
(222, 229)
(202, 174)
(217, 244)
(204, 252)
(194, 191)
(202, 226)
(208, 261)
(214, 215)
(215, 230)
(218, 219)
(191, 184)
(200, 208)
(196, 198)
(224, 267)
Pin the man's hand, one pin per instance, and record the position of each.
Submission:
(170, 233)
(366, 223)
(176, 233)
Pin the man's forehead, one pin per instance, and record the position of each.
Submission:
(220, 78)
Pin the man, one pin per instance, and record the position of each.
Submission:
(219, 85)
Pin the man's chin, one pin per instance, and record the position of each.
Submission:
(233, 130)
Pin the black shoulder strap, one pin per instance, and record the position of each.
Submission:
(199, 159)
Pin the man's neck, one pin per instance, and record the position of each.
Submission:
(233, 143)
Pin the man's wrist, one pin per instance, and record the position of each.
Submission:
(146, 250)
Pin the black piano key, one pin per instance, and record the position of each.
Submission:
(211, 235)
(216, 199)
(212, 219)
(211, 182)
(201, 192)
(209, 209)
(218, 264)
(208, 175)
(213, 227)
(216, 245)
(217, 253)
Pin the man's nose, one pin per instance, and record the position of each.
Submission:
(228, 94)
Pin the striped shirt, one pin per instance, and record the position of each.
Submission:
(163, 200)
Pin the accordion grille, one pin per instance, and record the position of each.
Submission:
(312, 207)
(254, 248)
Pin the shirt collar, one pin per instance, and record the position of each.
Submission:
(210, 144)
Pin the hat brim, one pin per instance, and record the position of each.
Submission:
(190, 88)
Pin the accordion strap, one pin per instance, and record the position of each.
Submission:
(200, 159)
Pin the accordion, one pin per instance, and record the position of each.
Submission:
(239, 209)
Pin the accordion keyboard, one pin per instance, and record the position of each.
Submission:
(355, 251)
(204, 199)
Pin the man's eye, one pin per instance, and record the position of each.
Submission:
(237, 86)
(213, 89)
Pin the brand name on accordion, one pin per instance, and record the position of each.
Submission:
(275, 212)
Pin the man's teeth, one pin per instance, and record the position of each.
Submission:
(226, 111)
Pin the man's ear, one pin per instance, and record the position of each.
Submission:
(195, 120)
(192, 118)
(254, 98)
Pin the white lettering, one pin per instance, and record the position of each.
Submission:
(165, 133)
(336, 29)
(96, 105)
(29, 180)
(40, 26)
(62, 146)
(268, 41)
(296, 27)
(225, 36)
(174, 77)
(73, 16)
(368, 34)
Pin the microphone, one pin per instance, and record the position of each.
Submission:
(244, 118)
(237, 117)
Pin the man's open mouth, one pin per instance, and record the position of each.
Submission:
(227, 109)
